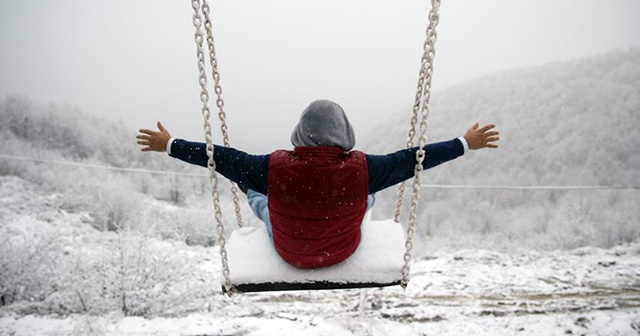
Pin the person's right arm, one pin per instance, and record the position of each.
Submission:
(248, 171)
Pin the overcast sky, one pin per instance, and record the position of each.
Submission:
(135, 60)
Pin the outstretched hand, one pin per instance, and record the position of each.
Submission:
(482, 137)
(152, 140)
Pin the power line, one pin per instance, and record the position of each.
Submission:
(95, 166)
(430, 186)
(523, 187)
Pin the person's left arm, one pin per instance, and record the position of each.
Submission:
(390, 169)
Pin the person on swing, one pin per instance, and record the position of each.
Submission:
(313, 198)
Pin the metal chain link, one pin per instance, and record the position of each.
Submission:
(426, 70)
(418, 98)
(412, 133)
(215, 74)
(206, 114)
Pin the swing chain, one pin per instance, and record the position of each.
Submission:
(215, 74)
(426, 67)
(423, 97)
(206, 114)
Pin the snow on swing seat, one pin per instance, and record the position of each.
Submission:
(255, 266)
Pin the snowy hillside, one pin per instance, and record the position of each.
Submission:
(97, 168)
(566, 124)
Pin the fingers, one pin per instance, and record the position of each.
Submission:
(482, 137)
(161, 127)
(153, 140)
(489, 140)
(146, 131)
(486, 128)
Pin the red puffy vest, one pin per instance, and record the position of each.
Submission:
(317, 200)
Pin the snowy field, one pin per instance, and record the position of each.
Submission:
(586, 291)
(582, 292)
(245, 322)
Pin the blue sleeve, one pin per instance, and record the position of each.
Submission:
(248, 171)
(391, 169)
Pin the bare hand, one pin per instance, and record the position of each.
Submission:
(152, 140)
(481, 137)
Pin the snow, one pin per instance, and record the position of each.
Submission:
(606, 323)
(378, 259)
(585, 291)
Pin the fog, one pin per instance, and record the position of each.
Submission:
(135, 60)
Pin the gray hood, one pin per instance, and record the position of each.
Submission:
(324, 123)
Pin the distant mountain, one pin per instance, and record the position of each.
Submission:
(573, 122)
(567, 123)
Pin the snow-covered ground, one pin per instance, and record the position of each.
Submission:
(587, 291)
(260, 323)
(583, 292)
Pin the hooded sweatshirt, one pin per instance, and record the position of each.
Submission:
(318, 192)
(324, 123)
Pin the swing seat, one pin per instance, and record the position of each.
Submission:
(255, 265)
